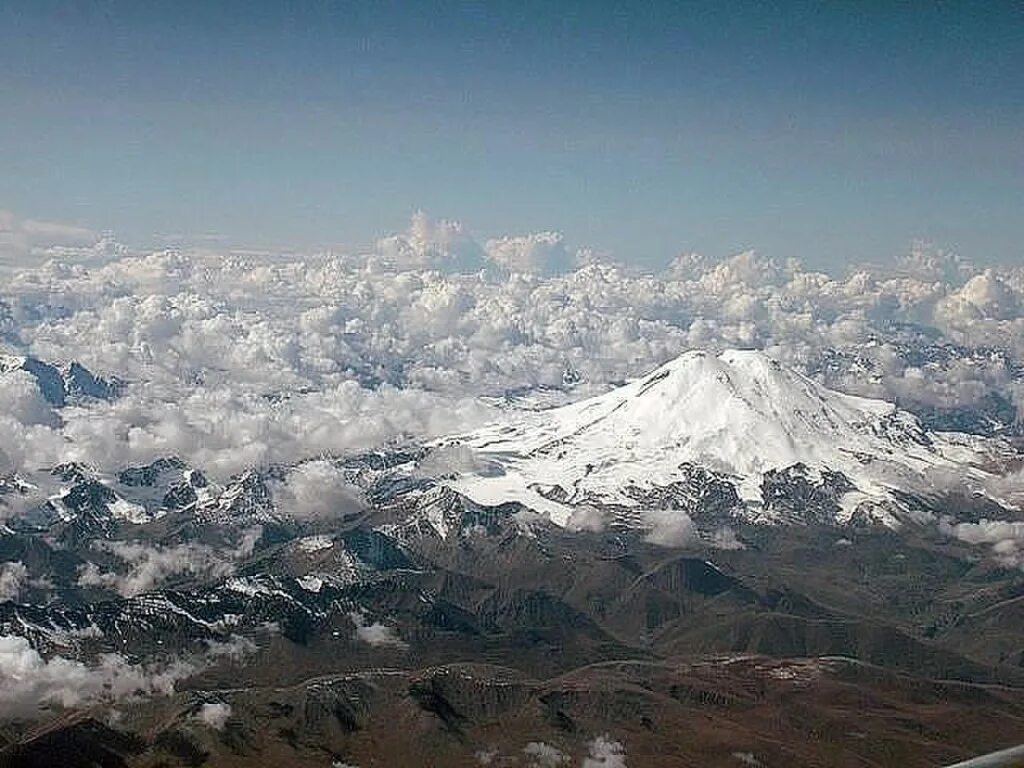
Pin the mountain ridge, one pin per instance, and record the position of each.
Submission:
(739, 414)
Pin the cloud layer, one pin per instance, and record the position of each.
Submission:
(30, 682)
(1005, 538)
(235, 359)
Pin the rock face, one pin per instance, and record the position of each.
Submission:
(61, 384)
(246, 498)
(699, 492)
(702, 423)
(804, 494)
(90, 505)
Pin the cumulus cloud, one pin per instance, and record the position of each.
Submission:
(541, 755)
(13, 579)
(542, 253)
(725, 538)
(214, 714)
(747, 758)
(450, 460)
(25, 240)
(983, 297)
(318, 490)
(670, 528)
(1005, 538)
(428, 244)
(149, 566)
(587, 517)
(16, 502)
(247, 542)
(375, 633)
(234, 360)
(29, 682)
(22, 401)
(605, 752)
(486, 756)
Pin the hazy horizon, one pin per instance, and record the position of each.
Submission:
(825, 133)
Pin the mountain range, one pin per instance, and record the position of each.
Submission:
(720, 563)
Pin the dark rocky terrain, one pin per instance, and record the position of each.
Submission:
(425, 629)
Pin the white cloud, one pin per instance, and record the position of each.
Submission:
(241, 359)
(605, 752)
(214, 714)
(486, 756)
(984, 296)
(748, 759)
(318, 490)
(542, 253)
(28, 240)
(429, 244)
(725, 538)
(13, 579)
(22, 401)
(150, 566)
(28, 681)
(587, 517)
(541, 755)
(15, 504)
(670, 528)
(1005, 538)
(376, 634)
(449, 460)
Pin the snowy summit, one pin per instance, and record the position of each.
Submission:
(740, 415)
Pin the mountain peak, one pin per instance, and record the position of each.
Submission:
(60, 383)
(739, 413)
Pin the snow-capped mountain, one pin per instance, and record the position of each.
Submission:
(650, 541)
(63, 382)
(740, 416)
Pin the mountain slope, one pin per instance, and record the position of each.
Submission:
(741, 415)
(60, 384)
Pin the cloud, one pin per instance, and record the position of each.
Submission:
(450, 460)
(22, 401)
(247, 543)
(541, 755)
(214, 714)
(429, 244)
(13, 579)
(24, 498)
(670, 528)
(1005, 538)
(234, 360)
(725, 538)
(375, 634)
(486, 756)
(747, 758)
(29, 682)
(587, 517)
(24, 240)
(318, 490)
(605, 752)
(542, 253)
(149, 566)
(983, 297)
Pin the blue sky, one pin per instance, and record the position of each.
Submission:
(830, 132)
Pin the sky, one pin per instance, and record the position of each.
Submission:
(829, 132)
